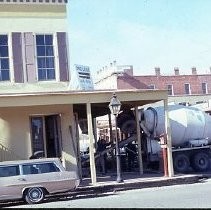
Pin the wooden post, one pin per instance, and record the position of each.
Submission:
(78, 147)
(168, 136)
(138, 130)
(91, 144)
(163, 157)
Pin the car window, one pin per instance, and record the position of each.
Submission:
(40, 168)
(9, 171)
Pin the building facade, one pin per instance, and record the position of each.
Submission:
(108, 77)
(190, 84)
(33, 46)
(190, 88)
(34, 60)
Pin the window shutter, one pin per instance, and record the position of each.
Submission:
(17, 57)
(63, 58)
(30, 57)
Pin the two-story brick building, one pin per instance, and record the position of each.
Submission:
(189, 88)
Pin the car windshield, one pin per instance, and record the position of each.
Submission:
(39, 168)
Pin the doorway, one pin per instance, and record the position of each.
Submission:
(45, 133)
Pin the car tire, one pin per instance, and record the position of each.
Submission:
(34, 195)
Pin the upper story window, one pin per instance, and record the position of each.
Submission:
(45, 57)
(152, 86)
(204, 88)
(170, 90)
(187, 89)
(4, 59)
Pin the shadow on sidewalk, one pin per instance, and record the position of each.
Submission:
(110, 178)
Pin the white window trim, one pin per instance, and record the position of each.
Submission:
(206, 88)
(55, 49)
(10, 55)
(172, 89)
(56, 57)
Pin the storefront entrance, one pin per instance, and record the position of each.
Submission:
(46, 136)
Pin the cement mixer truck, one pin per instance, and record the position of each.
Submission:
(190, 134)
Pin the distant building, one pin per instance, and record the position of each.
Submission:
(187, 89)
(117, 77)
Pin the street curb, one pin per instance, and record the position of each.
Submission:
(113, 187)
(139, 184)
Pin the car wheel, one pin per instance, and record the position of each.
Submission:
(34, 195)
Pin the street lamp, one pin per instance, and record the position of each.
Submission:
(114, 107)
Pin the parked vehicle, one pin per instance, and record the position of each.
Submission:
(190, 134)
(32, 180)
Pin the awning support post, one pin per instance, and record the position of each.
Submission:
(138, 130)
(169, 142)
(91, 144)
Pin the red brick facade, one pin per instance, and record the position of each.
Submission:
(161, 82)
(130, 82)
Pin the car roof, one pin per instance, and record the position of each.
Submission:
(40, 160)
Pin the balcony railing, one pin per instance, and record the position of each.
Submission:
(7, 154)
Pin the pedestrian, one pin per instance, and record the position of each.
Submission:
(101, 146)
(131, 155)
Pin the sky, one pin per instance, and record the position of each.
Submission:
(142, 33)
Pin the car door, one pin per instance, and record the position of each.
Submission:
(42, 175)
(69, 180)
(10, 182)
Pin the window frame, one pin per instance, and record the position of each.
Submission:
(37, 165)
(170, 89)
(206, 88)
(12, 165)
(189, 89)
(6, 57)
(46, 69)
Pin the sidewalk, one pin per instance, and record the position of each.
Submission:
(132, 180)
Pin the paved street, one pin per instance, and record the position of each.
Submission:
(178, 196)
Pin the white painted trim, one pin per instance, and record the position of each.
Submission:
(172, 89)
(56, 57)
(11, 64)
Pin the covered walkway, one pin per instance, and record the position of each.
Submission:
(91, 104)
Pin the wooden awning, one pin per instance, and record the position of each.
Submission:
(99, 99)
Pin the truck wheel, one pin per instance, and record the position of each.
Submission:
(181, 163)
(34, 195)
(200, 161)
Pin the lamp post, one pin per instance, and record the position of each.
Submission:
(114, 107)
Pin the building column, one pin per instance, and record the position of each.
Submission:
(138, 130)
(169, 142)
(91, 144)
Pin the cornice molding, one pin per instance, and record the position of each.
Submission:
(30, 2)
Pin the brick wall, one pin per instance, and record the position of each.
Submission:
(161, 82)
(130, 82)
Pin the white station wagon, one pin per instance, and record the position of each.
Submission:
(32, 180)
